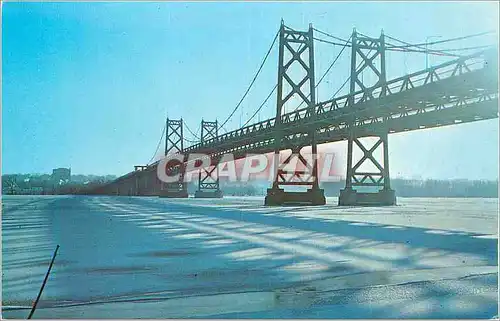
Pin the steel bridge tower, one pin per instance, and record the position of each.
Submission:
(296, 60)
(174, 143)
(360, 180)
(208, 178)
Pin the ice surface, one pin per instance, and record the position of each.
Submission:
(148, 257)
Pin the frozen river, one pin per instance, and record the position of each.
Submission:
(130, 257)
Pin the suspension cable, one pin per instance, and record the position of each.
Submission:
(428, 51)
(332, 36)
(329, 42)
(262, 105)
(192, 133)
(345, 82)
(348, 78)
(328, 70)
(431, 51)
(191, 141)
(252, 82)
(425, 50)
(158, 146)
(272, 91)
(390, 47)
(334, 61)
(468, 48)
(396, 48)
(439, 41)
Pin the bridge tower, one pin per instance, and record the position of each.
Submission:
(174, 143)
(208, 178)
(296, 61)
(367, 186)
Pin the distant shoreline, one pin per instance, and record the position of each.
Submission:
(33, 184)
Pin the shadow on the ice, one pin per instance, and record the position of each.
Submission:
(117, 259)
(107, 257)
(415, 237)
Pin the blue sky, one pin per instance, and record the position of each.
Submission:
(88, 85)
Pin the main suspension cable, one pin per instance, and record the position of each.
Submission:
(425, 50)
(158, 146)
(332, 36)
(396, 48)
(192, 133)
(252, 82)
(439, 41)
(330, 67)
(272, 91)
(191, 141)
(348, 78)
(262, 105)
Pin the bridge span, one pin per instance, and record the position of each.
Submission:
(462, 90)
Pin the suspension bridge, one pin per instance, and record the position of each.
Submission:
(461, 90)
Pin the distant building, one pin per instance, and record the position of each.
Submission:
(61, 175)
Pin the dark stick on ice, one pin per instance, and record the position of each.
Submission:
(43, 284)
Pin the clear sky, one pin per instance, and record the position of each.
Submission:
(88, 85)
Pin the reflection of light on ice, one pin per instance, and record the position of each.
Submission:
(306, 267)
(250, 254)
(438, 232)
(360, 224)
(325, 240)
(191, 236)
(490, 236)
(383, 251)
(179, 229)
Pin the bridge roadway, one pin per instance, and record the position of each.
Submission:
(459, 91)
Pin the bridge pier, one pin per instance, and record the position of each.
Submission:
(208, 194)
(278, 196)
(378, 174)
(173, 191)
(350, 197)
